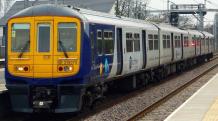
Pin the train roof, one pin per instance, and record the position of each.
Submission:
(195, 32)
(207, 34)
(84, 15)
(170, 28)
(47, 10)
(99, 17)
(97, 5)
(105, 18)
(118, 21)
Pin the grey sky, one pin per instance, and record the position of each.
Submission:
(209, 18)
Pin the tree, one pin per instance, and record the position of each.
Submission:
(131, 8)
(5, 5)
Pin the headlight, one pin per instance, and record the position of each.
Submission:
(65, 68)
(22, 68)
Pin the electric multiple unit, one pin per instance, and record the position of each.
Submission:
(60, 59)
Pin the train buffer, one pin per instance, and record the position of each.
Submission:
(201, 106)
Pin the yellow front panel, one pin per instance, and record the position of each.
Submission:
(12, 70)
(42, 75)
(42, 68)
(13, 57)
(74, 57)
(44, 64)
(43, 60)
(43, 56)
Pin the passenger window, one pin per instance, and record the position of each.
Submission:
(106, 35)
(199, 41)
(20, 38)
(185, 42)
(211, 42)
(67, 35)
(208, 41)
(168, 41)
(179, 42)
(99, 34)
(43, 38)
(136, 42)
(203, 42)
(164, 41)
(156, 45)
(150, 42)
(92, 46)
(108, 42)
(99, 42)
(129, 42)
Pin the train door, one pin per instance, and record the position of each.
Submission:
(182, 45)
(172, 43)
(104, 52)
(43, 54)
(132, 54)
(144, 48)
(194, 42)
(208, 42)
(119, 51)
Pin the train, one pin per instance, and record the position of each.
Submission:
(61, 59)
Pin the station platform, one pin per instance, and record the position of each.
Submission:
(2, 76)
(201, 106)
(2, 88)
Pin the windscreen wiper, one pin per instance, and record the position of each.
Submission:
(63, 48)
(24, 49)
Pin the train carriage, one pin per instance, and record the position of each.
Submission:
(209, 44)
(195, 36)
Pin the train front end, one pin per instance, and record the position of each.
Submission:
(43, 71)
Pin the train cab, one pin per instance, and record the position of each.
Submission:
(43, 54)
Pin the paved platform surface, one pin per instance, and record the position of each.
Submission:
(2, 76)
(2, 88)
(202, 106)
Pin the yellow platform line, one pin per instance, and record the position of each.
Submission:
(212, 113)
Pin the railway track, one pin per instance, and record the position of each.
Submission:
(155, 105)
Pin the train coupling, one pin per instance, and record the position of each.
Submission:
(42, 104)
(44, 97)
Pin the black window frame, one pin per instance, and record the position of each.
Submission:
(137, 40)
(98, 40)
(106, 39)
